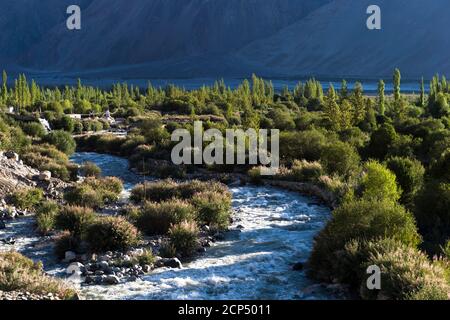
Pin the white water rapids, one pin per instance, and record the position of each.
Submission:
(272, 230)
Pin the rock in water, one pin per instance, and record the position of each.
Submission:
(112, 280)
(70, 256)
(298, 266)
(172, 263)
(2, 225)
(74, 267)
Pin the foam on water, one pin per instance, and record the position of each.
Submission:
(272, 230)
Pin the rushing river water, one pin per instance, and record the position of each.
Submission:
(272, 230)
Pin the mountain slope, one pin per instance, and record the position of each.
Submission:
(334, 40)
(24, 23)
(138, 31)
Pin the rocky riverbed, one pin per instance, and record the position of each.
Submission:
(261, 257)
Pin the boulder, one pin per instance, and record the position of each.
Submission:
(45, 176)
(69, 256)
(11, 155)
(103, 265)
(112, 280)
(75, 267)
(172, 263)
(2, 225)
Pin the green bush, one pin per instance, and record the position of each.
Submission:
(306, 145)
(74, 219)
(62, 140)
(94, 193)
(360, 219)
(84, 195)
(154, 191)
(306, 171)
(340, 158)
(90, 169)
(184, 238)
(213, 208)
(111, 233)
(410, 176)
(406, 273)
(156, 218)
(145, 258)
(168, 189)
(27, 199)
(19, 273)
(379, 183)
(34, 129)
(45, 216)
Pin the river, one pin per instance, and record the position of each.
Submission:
(272, 230)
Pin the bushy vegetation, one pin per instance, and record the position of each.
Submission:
(379, 155)
(94, 192)
(90, 169)
(184, 238)
(406, 273)
(46, 157)
(62, 140)
(18, 273)
(111, 233)
(27, 199)
(156, 218)
(74, 219)
(360, 219)
(213, 208)
(45, 216)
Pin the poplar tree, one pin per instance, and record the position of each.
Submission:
(381, 97)
(422, 94)
(397, 80)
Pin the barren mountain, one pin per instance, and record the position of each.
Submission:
(130, 32)
(220, 38)
(334, 40)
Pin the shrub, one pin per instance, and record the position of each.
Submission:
(306, 145)
(18, 273)
(27, 199)
(406, 273)
(184, 238)
(94, 193)
(379, 183)
(168, 189)
(62, 140)
(213, 208)
(360, 219)
(306, 171)
(409, 173)
(432, 211)
(66, 241)
(154, 191)
(84, 195)
(111, 233)
(167, 250)
(340, 158)
(34, 129)
(156, 218)
(74, 219)
(90, 169)
(145, 258)
(255, 175)
(45, 217)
